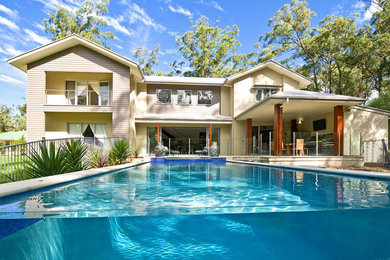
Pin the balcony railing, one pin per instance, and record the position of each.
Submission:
(78, 98)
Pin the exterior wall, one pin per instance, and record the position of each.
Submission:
(56, 80)
(194, 108)
(57, 123)
(225, 134)
(76, 59)
(307, 125)
(141, 104)
(226, 101)
(245, 95)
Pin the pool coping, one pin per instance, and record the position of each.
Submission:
(7, 189)
(352, 173)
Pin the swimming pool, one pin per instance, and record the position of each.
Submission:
(202, 210)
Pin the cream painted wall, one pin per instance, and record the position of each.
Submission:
(226, 101)
(56, 80)
(141, 101)
(81, 60)
(56, 124)
(307, 125)
(194, 108)
(245, 95)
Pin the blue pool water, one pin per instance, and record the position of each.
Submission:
(200, 210)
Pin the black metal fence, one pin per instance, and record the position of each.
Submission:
(15, 158)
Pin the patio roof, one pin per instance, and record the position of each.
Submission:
(297, 103)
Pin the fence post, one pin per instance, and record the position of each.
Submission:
(293, 143)
(261, 144)
(339, 143)
(316, 143)
(270, 144)
(189, 146)
(360, 144)
(169, 146)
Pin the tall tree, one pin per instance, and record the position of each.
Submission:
(148, 59)
(382, 101)
(20, 117)
(291, 34)
(6, 122)
(210, 51)
(87, 21)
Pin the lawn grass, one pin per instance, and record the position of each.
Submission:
(12, 168)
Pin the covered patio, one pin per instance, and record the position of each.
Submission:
(299, 123)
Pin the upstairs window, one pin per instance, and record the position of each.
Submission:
(262, 93)
(184, 97)
(205, 97)
(163, 96)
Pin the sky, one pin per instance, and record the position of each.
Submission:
(145, 23)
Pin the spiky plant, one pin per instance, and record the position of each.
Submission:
(97, 159)
(135, 151)
(119, 152)
(75, 152)
(48, 162)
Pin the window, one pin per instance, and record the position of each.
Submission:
(184, 97)
(104, 93)
(163, 96)
(262, 93)
(205, 97)
(77, 129)
(82, 93)
(70, 92)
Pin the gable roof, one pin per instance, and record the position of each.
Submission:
(21, 61)
(303, 81)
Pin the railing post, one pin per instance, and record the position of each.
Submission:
(189, 146)
(261, 144)
(169, 146)
(339, 143)
(316, 143)
(294, 144)
(270, 144)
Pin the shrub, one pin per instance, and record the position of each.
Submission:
(119, 152)
(48, 162)
(135, 151)
(75, 152)
(97, 158)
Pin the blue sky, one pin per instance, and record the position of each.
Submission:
(143, 23)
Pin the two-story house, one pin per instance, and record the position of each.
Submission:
(78, 88)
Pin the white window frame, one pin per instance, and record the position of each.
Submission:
(170, 99)
(263, 95)
(211, 99)
(184, 90)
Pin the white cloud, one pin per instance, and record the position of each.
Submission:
(8, 79)
(118, 46)
(365, 13)
(9, 50)
(174, 34)
(53, 5)
(137, 14)
(115, 23)
(8, 23)
(170, 51)
(213, 4)
(180, 10)
(9, 12)
(32, 36)
(39, 26)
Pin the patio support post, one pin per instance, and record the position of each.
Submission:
(158, 132)
(338, 130)
(278, 128)
(249, 135)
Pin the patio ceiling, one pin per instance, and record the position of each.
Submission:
(292, 109)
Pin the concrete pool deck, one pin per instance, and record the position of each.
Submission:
(7, 189)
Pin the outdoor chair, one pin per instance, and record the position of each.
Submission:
(300, 147)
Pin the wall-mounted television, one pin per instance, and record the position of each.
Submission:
(319, 125)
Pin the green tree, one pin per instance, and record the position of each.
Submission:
(6, 122)
(147, 59)
(87, 21)
(210, 51)
(20, 118)
(382, 101)
(291, 36)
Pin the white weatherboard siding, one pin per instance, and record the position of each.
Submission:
(77, 59)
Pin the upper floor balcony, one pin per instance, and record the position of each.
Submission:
(80, 93)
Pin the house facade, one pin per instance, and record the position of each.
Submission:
(78, 88)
